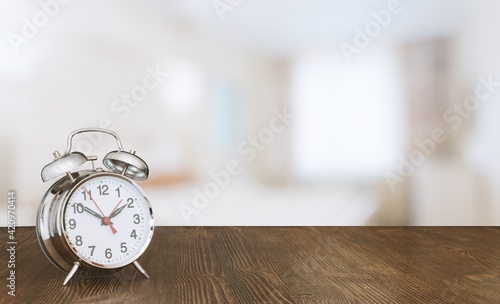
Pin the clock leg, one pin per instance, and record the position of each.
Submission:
(71, 272)
(141, 270)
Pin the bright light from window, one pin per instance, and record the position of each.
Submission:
(349, 117)
(183, 87)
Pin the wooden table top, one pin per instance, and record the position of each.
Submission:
(280, 265)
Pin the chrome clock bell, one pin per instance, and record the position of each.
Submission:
(94, 222)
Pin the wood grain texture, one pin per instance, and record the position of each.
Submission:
(280, 265)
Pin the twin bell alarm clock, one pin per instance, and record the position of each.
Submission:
(94, 222)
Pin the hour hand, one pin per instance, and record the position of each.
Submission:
(117, 211)
(87, 209)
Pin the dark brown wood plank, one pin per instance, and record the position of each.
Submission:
(280, 265)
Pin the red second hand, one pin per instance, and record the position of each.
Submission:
(115, 208)
(106, 219)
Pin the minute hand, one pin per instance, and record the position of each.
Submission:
(117, 211)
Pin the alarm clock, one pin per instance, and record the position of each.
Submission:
(94, 222)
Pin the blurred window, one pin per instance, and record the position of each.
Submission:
(350, 117)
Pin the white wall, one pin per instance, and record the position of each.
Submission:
(479, 53)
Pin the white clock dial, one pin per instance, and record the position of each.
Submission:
(107, 221)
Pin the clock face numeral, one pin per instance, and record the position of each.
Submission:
(79, 241)
(108, 253)
(130, 201)
(77, 208)
(103, 190)
(137, 220)
(108, 221)
(85, 196)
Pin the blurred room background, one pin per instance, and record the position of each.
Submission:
(335, 112)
